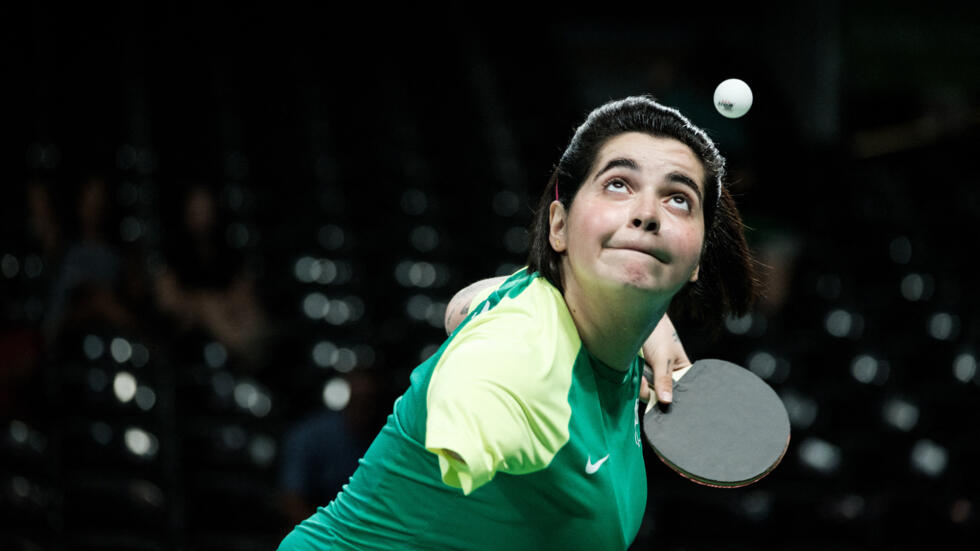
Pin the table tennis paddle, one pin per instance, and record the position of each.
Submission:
(725, 428)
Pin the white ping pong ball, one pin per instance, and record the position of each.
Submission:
(733, 98)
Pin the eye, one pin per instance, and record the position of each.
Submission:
(681, 201)
(616, 185)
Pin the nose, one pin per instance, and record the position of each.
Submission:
(648, 225)
(646, 219)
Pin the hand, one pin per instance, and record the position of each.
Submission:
(665, 354)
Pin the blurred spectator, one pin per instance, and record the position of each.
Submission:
(778, 250)
(21, 343)
(206, 288)
(321, 451)
(20, 350)
(44, 226)
(87, 290)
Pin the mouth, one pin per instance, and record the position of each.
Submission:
(659, 255)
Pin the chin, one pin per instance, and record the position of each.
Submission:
(644, 283)
(640, 276)
(641, 284)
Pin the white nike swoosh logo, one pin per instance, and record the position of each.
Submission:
(591, 468)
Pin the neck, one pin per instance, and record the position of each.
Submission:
(614, 328)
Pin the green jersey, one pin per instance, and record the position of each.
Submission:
(545, 442)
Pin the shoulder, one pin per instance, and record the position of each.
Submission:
(520, 328)
(498, 396)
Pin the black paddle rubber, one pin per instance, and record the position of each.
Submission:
(725, 428)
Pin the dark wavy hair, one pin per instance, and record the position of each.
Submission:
(727, 282)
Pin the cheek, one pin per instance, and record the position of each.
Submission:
(688, 243)
(586, 234)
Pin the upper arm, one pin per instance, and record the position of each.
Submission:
(461, 303)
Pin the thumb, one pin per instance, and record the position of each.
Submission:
(656, 381)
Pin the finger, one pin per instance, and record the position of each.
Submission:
(663, 384)
(646, 390)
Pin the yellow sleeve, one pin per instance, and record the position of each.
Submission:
(498, 397)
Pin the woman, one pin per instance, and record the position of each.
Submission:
(522, 431)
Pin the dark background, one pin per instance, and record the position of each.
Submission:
(329, 138)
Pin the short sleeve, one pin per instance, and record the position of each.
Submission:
(499, 396)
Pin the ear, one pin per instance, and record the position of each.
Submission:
(557, 234)
(694, 274)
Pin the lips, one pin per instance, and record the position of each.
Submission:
(656, 253)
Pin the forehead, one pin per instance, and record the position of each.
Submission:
(651, 152)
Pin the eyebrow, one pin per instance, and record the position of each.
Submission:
(679, 177)
(687, 181)
(617, 162)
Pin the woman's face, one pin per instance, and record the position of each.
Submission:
(637, 221)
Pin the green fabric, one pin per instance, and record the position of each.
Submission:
(549, 435)
(498, 396)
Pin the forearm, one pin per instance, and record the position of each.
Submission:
(664, 346)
